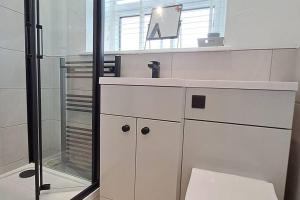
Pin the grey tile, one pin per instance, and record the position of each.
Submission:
(13, 109)
(13, 144)
(50, 104)
(136, 65)
(283, 65)
(50, 72)
(76, 17)
(12, 70)
(17, 5)
(251, 65)
(51, 130)
(55, 27)
(12, 34)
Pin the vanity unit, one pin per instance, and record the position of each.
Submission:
(154, 131)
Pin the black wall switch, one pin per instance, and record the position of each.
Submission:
(198, 101)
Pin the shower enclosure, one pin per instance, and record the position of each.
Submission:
(62, 100)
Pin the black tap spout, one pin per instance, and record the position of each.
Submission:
(155, 66)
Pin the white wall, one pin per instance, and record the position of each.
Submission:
(263, 23)
(13, 113)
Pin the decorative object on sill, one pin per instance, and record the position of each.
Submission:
(164, 23)
(213, 39)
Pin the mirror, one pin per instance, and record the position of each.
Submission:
(164, 23)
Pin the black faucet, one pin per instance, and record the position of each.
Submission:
(155, 66)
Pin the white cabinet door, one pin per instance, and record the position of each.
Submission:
(117, 157)
(249, 151)
(158, 160)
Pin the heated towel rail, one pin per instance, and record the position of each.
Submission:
(76, 141)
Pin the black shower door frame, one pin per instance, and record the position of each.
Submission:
(32, 57)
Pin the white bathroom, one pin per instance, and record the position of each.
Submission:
(149, 100)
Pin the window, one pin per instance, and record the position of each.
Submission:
(194, 25)
(126, 23)
(130, 33)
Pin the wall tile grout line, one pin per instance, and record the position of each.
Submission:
(271, 64)
(172, 60)
(15, 50)
(16, 11)
(12, 88)
(13, 125)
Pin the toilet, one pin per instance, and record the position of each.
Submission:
(209, 185)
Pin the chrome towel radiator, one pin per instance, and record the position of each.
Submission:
(76, 138)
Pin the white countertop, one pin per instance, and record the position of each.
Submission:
(189, 83)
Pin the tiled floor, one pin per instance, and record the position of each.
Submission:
(63, 187)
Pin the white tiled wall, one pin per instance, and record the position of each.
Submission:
(13, 109)
(136, 65)
(16, 5)
(283, 65)
(226, 65)
(250, 65)
(12, 69)
(11, 32)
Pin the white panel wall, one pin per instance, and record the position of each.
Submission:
(263, 23)
(13, 114)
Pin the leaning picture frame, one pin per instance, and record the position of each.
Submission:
(164, 23)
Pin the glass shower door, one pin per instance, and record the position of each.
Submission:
(66, 94)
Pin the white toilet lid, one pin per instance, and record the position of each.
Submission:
(208, 185)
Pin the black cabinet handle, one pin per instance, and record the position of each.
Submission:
(145, 130)
(125, 128)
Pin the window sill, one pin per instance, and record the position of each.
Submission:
(174, 50)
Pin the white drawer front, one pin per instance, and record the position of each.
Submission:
(166, 103)
(253, 107)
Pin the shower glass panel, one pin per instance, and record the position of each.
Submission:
(66, 96)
